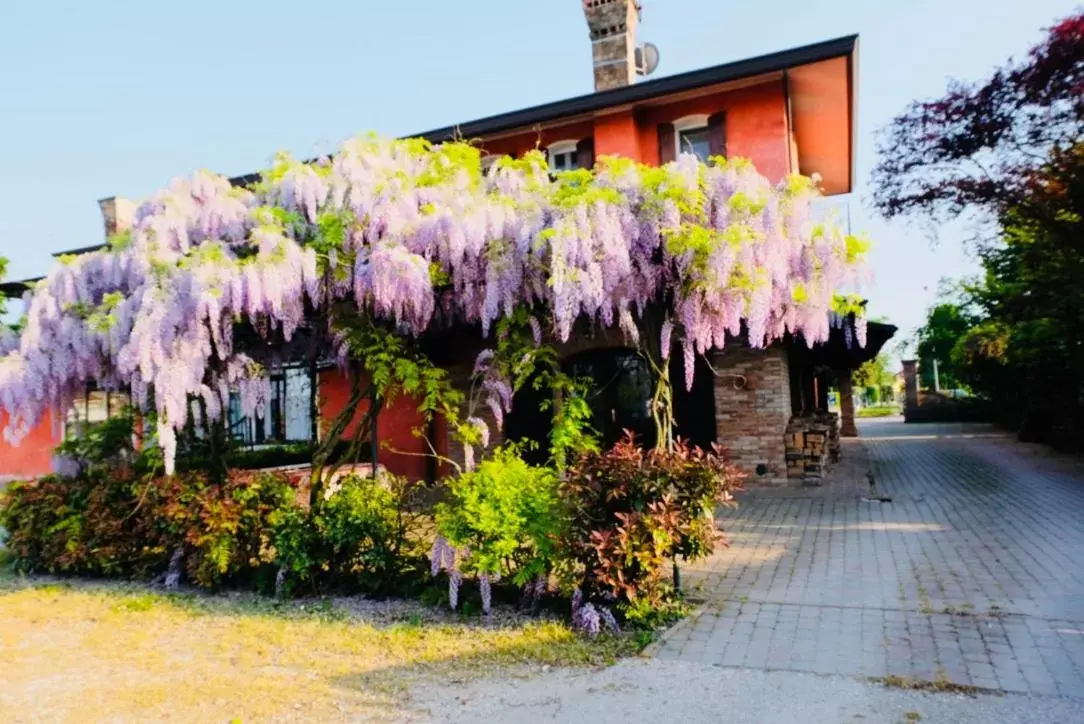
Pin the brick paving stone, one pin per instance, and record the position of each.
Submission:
(973, 573)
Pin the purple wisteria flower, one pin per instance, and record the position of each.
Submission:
(156, 310)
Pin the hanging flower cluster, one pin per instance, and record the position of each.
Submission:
(445, 557)
(385, 224)
(589, 619)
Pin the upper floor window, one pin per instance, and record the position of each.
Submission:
(563, 155)
(692, 135)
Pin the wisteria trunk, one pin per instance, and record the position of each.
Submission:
(324, 460)
(658, 359)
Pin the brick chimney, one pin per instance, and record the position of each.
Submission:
(117, 214)
(612, 25)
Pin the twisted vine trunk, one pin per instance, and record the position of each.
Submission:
(325, 463)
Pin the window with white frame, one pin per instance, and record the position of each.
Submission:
(563, 156)
(691, 135)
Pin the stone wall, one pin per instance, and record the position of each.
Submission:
(752, 408)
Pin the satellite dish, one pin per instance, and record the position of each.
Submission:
(647, 58)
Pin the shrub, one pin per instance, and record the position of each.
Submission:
(121, 525)
(224, 529)
(631, 510)
(507, 514)
(99, 446)
(70, 525)
(364, 537)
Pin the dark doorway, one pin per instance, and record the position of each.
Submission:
(529, 423)
(694, 409)
(621, 386)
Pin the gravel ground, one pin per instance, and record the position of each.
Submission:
(674, 691)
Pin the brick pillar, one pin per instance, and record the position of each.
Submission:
(752, 408)
(847, 428)
(910, 385)
(612, 26)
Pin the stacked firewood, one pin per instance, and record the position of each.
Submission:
(812, 442)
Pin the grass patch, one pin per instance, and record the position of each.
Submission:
(877, 411)
(104, 652)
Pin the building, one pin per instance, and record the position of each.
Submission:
(790, 111)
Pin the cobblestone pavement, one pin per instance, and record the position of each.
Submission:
(972, 574)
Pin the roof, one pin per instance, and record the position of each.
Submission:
(646, 90)
(837, 353)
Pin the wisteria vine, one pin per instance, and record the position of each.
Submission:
(411, 233)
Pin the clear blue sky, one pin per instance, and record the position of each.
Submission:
(114, 98)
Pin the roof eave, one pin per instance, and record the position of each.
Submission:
(771, 63)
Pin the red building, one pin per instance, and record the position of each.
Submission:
(790, 111)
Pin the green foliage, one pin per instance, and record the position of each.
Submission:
(631, 510)
(507, 513)
(647, 614)
(525, 362)
(101, 446)
(873, 373)
(362, 537)
(878, 411)
(945, 324)
(1015, 335)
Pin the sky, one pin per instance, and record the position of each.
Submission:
(115, 98)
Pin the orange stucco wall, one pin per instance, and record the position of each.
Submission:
(33, 456)
(400, 451)
(756, 128)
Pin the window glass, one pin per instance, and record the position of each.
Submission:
(564, 161)
(694, 141)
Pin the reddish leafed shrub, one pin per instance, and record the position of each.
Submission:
(632, 509)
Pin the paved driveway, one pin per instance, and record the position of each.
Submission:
(973, 573)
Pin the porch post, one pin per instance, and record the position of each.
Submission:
(847, 428)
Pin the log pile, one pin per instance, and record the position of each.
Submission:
(812, 445)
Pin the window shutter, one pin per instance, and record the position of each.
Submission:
(717, 134)
(585, 153)
(667, 143)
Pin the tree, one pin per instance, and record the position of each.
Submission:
(945, 324)
(1011, 149)
(371, 251)
(977, 147)
(874, 376)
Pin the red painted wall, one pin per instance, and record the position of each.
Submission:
(756, 126)
(33, 456)
(617, 135)
(520, 143)
(394, 428)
